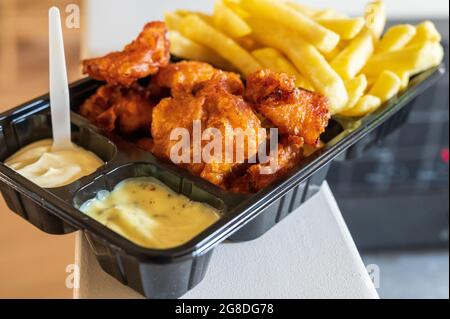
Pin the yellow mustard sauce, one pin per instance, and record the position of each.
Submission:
(149, 213)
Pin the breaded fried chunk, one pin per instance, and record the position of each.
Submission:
(142, 57)
(258, 176)
(293, 110)
(127, 109)
(186, 77)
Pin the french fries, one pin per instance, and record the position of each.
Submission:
(185, 48)
(228, 21)
(323, 39)
(412, 59)
(235, 6)
(302, 8)
(274, 60)
(199, 31)
(355, 89)
(331, 55)
(346, 28)
(348, 60)
(386, 86)
(314, 13)
(425, 31)
(172, 20)
(329, 14)
(396, 38)
(205, 17)
(306, 58)
(365, 105)
(249, 43)
(352, 59)
(404, 78)
(375, 16)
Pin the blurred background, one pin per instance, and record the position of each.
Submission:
(33, 263)
(394, 198)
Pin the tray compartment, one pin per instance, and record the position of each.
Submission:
(156, 279)
(34, 213)
(151, 279)
(32, 126)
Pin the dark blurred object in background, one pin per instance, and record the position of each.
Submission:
(396, 195)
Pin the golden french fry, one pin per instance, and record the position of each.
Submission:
(201, 32)
(183, 13)
(352, 59)
(185, 48)
(396, 38)
(274, 60)
(370, 80)
(412, 59)
(172, 20)
(375, 15)
(355, 89)
(347, 28)
(386, 86)
(302, 8)
(236, 7)
(272, 10)
(333, 54)
(404, 78)
(367, 104)
(305, 57)
(402, 75)
(329, 14)
(425, 31)
(207, 18)
(228, 21)
(249, 43)
(315, 13)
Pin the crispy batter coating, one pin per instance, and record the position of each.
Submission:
(189, 92)
(258, 176)
(142, 57)
(172, 113)
(126, 108)
(293, 110)
(214, 107)
(186, 77)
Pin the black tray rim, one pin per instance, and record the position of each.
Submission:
(237, 217)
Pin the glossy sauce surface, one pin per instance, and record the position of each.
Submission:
(49, 168)
(149, 213)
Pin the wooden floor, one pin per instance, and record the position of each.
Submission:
(32, 264)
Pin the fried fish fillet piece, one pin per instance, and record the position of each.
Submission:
(257, 176)
(185, 77)
(127, 109)
(293, 110)
(219, 113)
(142, 57)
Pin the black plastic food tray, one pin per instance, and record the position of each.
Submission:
(170, 273)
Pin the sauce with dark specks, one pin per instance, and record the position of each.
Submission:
(149, 213)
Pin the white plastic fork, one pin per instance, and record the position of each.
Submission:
(59, 88)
